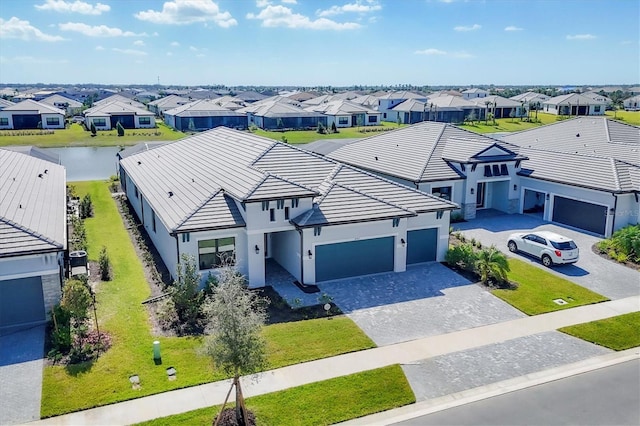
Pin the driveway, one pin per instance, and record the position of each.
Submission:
(591, 271)
(21, 363)
(425, 300)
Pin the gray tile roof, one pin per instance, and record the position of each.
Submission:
(203, 108)
(170, 101)
(530, 97)
(573, 99)
(340, 107)
(32, 205)
(5, 103)
(498, 102)
(277, 108)
(144, 146)
(471, 151)
(115, 107)
(120, 98)
(408, 105)
(181, 179)
(449, 102)
(36, 152)
(59, 99)
(35, 107)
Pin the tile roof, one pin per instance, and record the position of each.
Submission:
(35, 107)
(170, 101)
(32, 205)
(530, 97)
(276, 108)
(340, 107)
(498, 102)
(120, 98)
(115, 107)
(202, 108)
(59, 99)
(413, 105)
(573, 99)
(181, 179)
(451, 102)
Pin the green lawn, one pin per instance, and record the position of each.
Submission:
(307, 136)
(509, 124)
(322, 403)
(629, 117)
(75, 135)
(617, 333)
(122, 315)
(538, 288)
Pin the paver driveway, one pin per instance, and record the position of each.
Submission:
(591, 271)
(21, 363)
(425, 300)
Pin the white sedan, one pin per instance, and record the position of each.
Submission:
(549, 247)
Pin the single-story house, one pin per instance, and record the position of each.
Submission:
(122, 99)
(105, 116)
(502, 107)
(203, 115)
(598, 97)
(574, 104)
(411, 111)
(387, 101)
(5, 103)
(346, 113)
(30, 114)
(70, 106)
(632, 103)
(369, 101)
(531, 100)
(453, 109)
(231, 196)
(159, 106)
(474, 93)
(318, 100)
(33, 237)
(583, 172)
(278, 113)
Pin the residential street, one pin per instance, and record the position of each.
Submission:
(609, 396)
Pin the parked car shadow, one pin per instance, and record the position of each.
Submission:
(571, 270)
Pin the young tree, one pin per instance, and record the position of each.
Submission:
(492, 264)
(76, 299)
(235, 317)
(85, 207)
(120, 129)
(191, 126)
(93, 129)
(321, 129)
(186, 294)
(104, 265)
(279, 123)
(334, 129)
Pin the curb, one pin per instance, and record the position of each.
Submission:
(494, 389)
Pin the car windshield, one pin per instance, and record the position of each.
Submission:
(564, 245)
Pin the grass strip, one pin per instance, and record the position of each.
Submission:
(617, 333)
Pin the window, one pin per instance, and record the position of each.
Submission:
(144, 121)
(373, 119)
(53, 121)
(286, 213)
(596, 108)
(294, 202)
(487, 171)
(503, 169)
(186, 237)
(496, 170)
(442, 192)
(265, 205)
(272, 215)
(279, 204)
(4, 121)
(153, 220)
(100, 122)
(215, 253)
(317, 230)
(384, 115)
(396, 222)
(343, 120)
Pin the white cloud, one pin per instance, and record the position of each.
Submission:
(581, 37)
(182, 12)
(513, 28)
(473, 27)
(138, 43)
(23, 30)
(73, 7)
(280, 16)
(98, 30)
(262, 3)
(290, 1)
(357, 7)
(193, 49)
(32, 60)
(99, 48)
(130, 51)
(174, 44)
(169, 53)
(430, 51)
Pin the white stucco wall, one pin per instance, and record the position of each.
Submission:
(627, 211)
(285, 249)
(60, 118)
(107, 122)
(151, 124)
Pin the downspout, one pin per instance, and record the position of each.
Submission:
(301, 256)
(177, 249)
(615, 210)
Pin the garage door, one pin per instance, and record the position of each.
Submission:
(579, 214)
(354, 258)
(21, 301)
(422, 245)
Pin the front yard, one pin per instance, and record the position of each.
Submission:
(122, 315)
(617, 333)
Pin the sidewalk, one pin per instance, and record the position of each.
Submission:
(183, 400)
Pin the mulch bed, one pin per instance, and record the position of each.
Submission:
(630, 265)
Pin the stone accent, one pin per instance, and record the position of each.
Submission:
(514, 205)
(469, 211)
(51, 291)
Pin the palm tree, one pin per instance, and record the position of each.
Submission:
(491, 264)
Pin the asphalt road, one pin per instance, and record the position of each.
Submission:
(608, 396)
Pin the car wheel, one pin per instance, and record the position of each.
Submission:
(546, 261)
(513, 247)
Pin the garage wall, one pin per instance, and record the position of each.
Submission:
(51, 291)
(627, 211)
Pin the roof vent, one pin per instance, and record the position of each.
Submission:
(40, 175)
(46, 171)
(139, 162)
(577, 135)
(193, 180)
(376, 158)
(170, 194)
(19, 206)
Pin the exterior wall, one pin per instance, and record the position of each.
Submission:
(170, 120)
(51, 291)
(152, 124)
(163, 242)
(285, 249)
(107, 122)
(430, 220)
(500, 193)
(60, 124)
(9, 116)
(627, 211)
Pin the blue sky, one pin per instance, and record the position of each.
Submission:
(329, 42)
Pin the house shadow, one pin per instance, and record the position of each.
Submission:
(22, 345)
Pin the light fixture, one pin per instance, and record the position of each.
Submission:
(403, 242)
(472, 191)
(257, 249)
(547, 196)
(515, 187)
(310, 254)
(612, 211)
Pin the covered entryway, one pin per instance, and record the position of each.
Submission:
(21, 301)
(422, 245)
(533, 202)
(26, 121)
(353, 258)
(580, 214)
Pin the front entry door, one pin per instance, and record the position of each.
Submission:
(480, 190)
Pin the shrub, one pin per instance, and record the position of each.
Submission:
(104, 265)
(60, 334)
(114, 183)
(462, 256)
(78, 240)
(492, 266)
(321, 129)
(456, 217)
(94, 131)
(86, 207)
(120, 129)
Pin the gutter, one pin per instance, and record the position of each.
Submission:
(615, 210)
(301, 256)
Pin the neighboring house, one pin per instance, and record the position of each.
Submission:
(574, 104)
(230, 196)
(598, 98)
(5, 103)
(632, 103)
(303, 96)
(369, 101)
(121, 99)
(105, 116)
(146, 97)
(582, 172)
(36, 152)
(531, 100)
(387, 101)
(502, 107)
(474, 93)
(69, 106)
(453, 109)
(411, 111)
(159, 106)
(229, 102)
(203, 115)
(346, 114)
(278, 114)
(250, 96)
(33, 238)
(318, 100)
(30, 114)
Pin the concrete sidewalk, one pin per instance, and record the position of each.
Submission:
(183, 400)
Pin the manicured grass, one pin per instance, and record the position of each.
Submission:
(307, 136)
(321, 403)
(122, 315)
(509, 124)
(629, 117)
(75, 135)
(617, 333)
(538, 288)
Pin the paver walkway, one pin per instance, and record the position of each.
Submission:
(183, 400)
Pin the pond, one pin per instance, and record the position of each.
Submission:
(87, 163)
